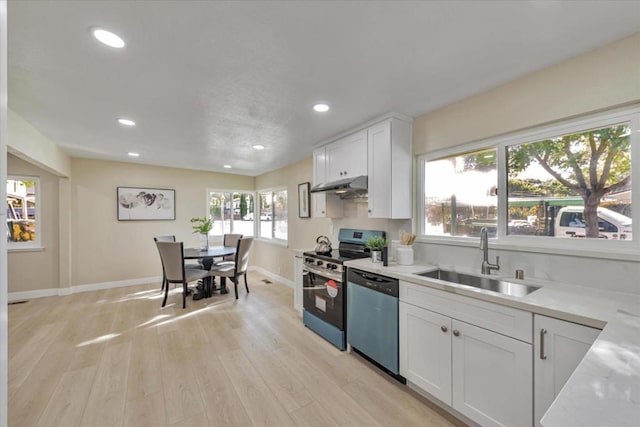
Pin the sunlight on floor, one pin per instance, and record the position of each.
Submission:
(98, 340)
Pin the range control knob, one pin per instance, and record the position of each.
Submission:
(308, 260)
(332, 266)
(319, 263)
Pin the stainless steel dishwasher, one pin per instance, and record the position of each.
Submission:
(372, 318)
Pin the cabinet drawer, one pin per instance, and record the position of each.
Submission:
(504, 320)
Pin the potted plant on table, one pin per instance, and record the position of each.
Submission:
(375, 245)
(203, 226)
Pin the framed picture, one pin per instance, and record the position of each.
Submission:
(146, 204)
(303, 200)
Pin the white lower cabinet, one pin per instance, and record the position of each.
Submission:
(559, 347)
(481, 374)
(425, 350)
(492, 377)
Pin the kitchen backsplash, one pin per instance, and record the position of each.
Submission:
(356, 216)
(608, 274)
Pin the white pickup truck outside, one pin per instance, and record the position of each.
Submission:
(612, 225)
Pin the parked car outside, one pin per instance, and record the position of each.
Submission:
(263, 217)
(612, 225)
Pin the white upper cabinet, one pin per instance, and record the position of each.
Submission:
(323, 205)
(318, 200)
(559, 347)
(382, 152)
(389, 169)
(347, 157)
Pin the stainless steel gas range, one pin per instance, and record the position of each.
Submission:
(324, 289)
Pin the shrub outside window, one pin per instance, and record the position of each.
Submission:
(23, 212)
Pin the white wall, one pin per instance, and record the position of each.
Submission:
(37, 269)
(598, 80)
(106, 250)
(303, 232)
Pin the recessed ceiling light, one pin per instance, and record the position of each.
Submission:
(227, 166)
(107, 37)
(126, 122)
(258, 147)
(321, 108)
(132, 154)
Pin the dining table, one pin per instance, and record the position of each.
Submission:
(207, 258)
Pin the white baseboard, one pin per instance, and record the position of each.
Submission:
(41, 293)
(273, 276)
(38, 293)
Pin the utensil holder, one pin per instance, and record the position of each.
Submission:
(404, 255)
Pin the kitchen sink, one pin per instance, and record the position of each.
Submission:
(494, 285)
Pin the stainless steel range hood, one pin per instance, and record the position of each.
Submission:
(348, 187)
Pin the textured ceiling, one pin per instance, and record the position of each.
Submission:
(205, 80)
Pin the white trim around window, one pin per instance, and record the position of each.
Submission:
(272, 215)
(596, 248)
(212, 233)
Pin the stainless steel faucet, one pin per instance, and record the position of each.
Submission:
(484, 245)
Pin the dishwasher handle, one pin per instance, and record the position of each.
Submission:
(386, 285)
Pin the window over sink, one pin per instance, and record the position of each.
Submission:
(460, 194)
(567, 185)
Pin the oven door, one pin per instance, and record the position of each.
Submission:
(323, 296)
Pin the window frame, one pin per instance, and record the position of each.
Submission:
(37, 243)
(226, 191)
(613, 249)
(258, 234)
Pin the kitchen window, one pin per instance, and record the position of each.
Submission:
(23, 212)
(576, 185)
(565, 186)
(460, 194)
(232, 212)
(273, 214)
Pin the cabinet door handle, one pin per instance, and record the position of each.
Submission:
(543, 332)
(444, 328)
(456, 332)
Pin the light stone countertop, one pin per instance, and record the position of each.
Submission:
(578, 304)
(604, 390)
(299, 252)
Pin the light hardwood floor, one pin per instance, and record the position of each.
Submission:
(116, 358)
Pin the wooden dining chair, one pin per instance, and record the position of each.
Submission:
(172, 257)
(238, 267)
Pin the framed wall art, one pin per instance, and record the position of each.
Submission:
(303, 200)
(146, 204)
